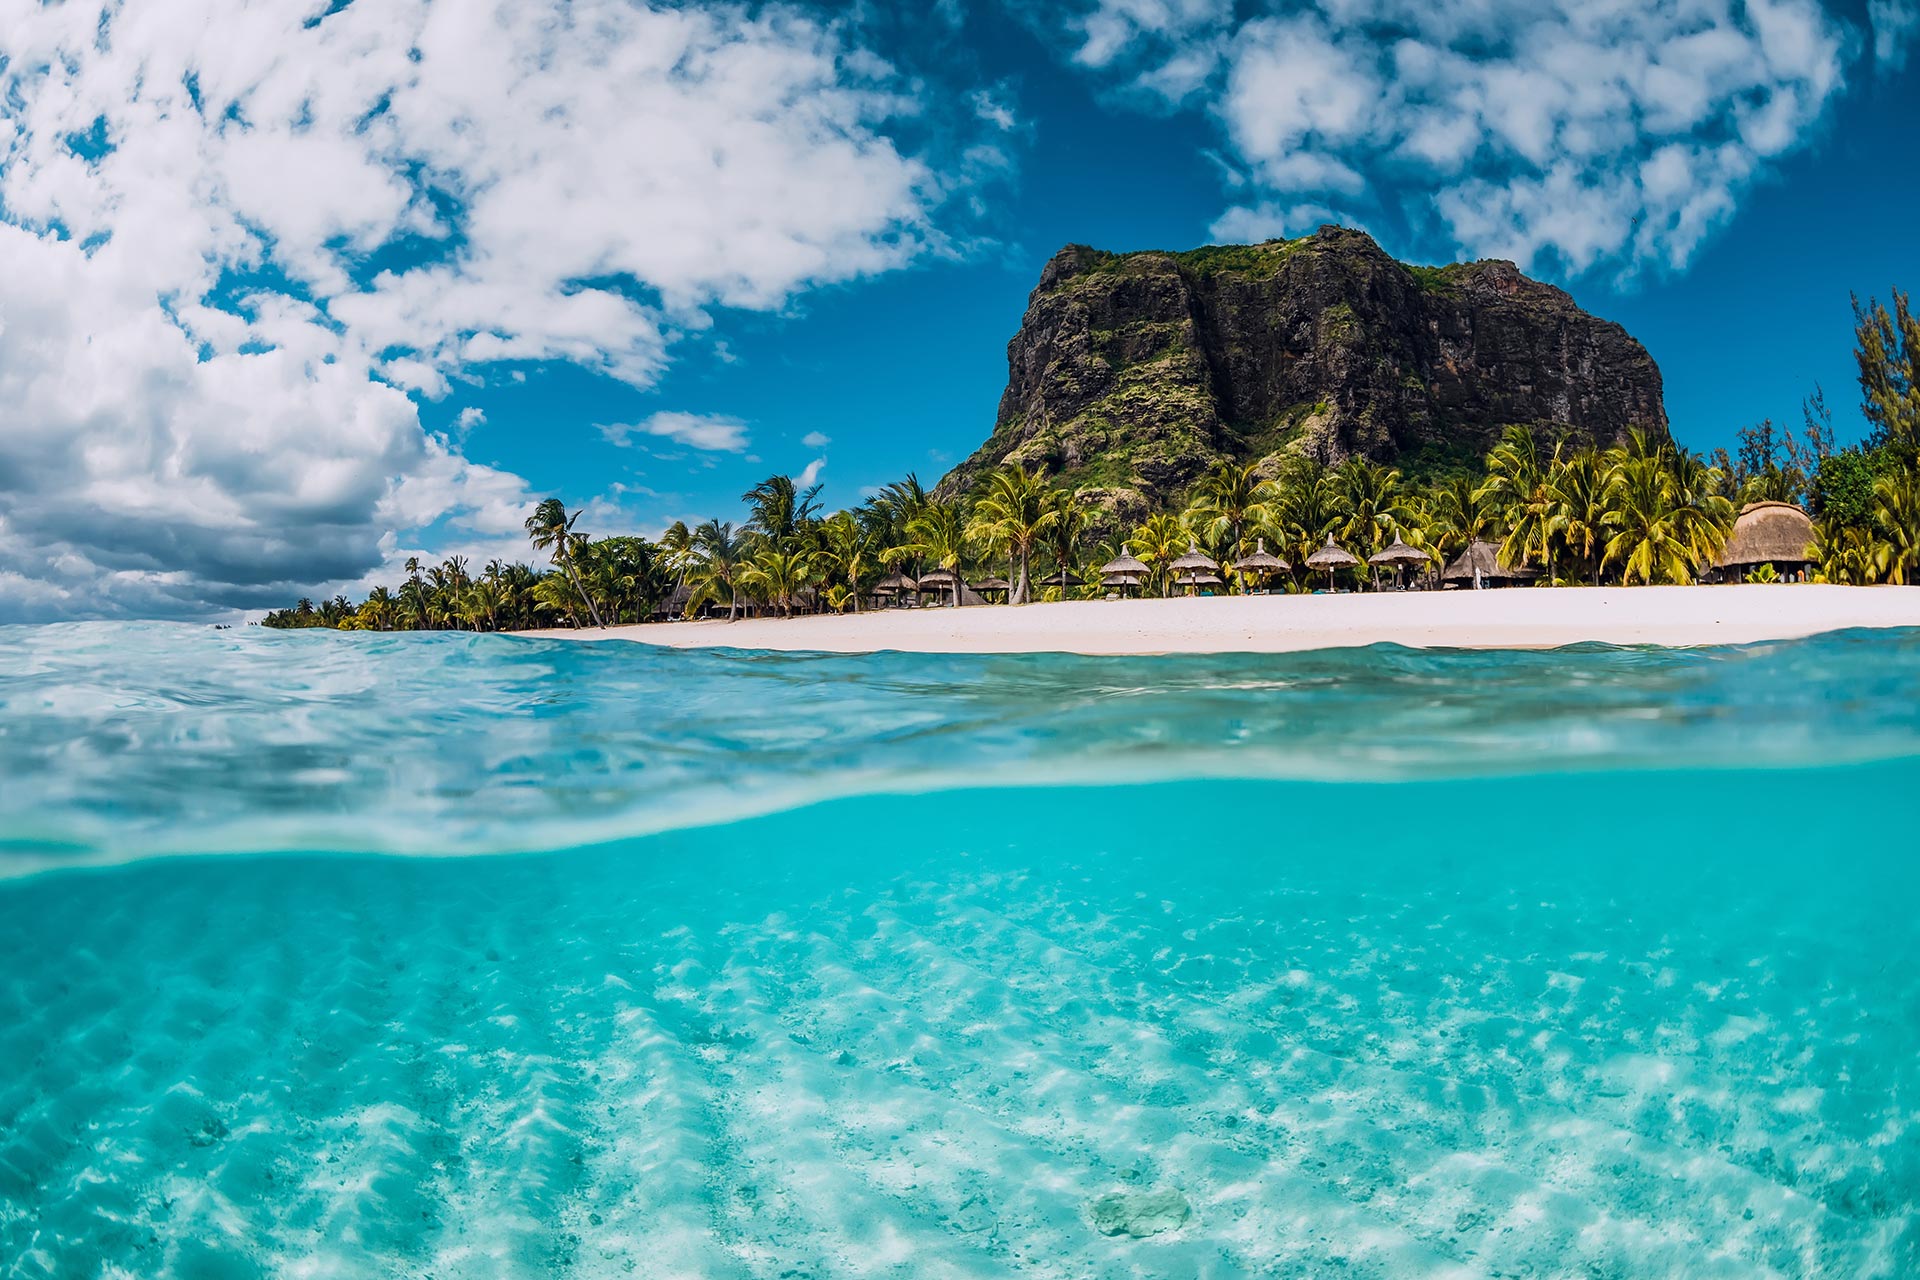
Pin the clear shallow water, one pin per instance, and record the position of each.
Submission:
(1615, 977)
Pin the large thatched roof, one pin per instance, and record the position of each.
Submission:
(1485, 557)
(1125, 562)
(894, 584)
(1769, 533)
(991, 584)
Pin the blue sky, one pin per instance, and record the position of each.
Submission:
(903, 372)
(289, 292)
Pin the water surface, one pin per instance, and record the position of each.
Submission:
(1595, 963)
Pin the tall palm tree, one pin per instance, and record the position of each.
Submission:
(551, 528)
(1070, 524)
(1702, 513)
(1229, 500)
(1647, 543)
(849, 547)
(779, 509)
(939, 532)
(720, 553)
(1519, 482)
(1013, 515)
(1301, 511)
(1578, 518)
(1369, 496)
(1158, 543)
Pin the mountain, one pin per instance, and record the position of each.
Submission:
(1133, 374)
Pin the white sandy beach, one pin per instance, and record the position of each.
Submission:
(1524, 618)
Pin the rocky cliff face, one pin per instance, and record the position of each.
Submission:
(1135, 373)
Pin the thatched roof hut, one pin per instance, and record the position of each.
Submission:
(1776, 533)
(938, 580)
(1483, 558)
(991, 584)
(894, 584)
(1126, 563)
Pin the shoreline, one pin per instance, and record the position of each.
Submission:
(1513, 618)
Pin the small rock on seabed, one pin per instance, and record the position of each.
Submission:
(1140, 1214)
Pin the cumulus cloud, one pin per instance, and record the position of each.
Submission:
(816, 440)
(810, 475)
(711, 432)
(240, 241)
(1561, 131)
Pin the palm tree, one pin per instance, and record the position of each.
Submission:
(379, 609)
(1158, 543)
(551, 527)
(1647, 542)
(1013, 515)
(1519, 483)
(780, 509)
(1896, 509)
(1369, 495)
(848, 546)
(1070, 524)
(1578, 517)
(939, 532)
(1852, 556)
(1702, 513)
(1461, 515)
(1229, 500)
(1301, 510)
(779, 576)
(720, 553)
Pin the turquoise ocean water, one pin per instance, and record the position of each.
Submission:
(444, 956)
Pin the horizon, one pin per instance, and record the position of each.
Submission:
(279, 310)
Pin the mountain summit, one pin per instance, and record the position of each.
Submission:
(1135, 373)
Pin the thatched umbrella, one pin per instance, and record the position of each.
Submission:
(1398, 554)
(894, 584)
(1194, 562)
(1775, 533)
(1194, 580)
(941, 580)
(1124, 570)
(1331, 557)
(1480, 562)
(991, 584)
(1262, 563)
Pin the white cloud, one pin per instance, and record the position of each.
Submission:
(1895, 24)
(212, 329)
(697, 431)
(989, 107)
(816, 440)
(811, 475)
(1576, 133)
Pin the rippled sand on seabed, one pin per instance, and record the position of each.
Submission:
(1601, 1017)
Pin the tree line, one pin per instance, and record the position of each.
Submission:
(1643, 511)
